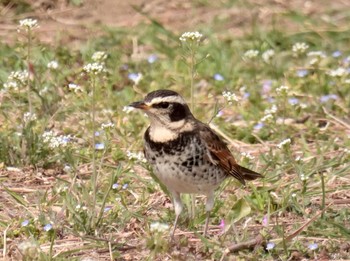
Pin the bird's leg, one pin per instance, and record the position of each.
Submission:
(208, 207)
(178, 209)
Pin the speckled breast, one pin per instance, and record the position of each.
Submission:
(182, 164)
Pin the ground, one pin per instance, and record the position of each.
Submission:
(62, 23)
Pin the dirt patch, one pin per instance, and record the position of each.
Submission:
(66, 24)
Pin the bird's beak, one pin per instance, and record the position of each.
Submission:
(139, 105)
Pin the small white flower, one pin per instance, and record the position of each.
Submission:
(230, 97)
(28, 24)
(54, 141)
(18, 77)
(303, 177)
(74, 87)
(267, 118)
(11, 85)
(293, 195)
(251, 54)
(300, 48)
(136, 156)
(247, 155)
(67, 168)
(107, 125)
(282, 89)
(28, 117)
(53, 65)
(339, 72)
(268, 55)
(99, 56)
(284, 143)
(272, 110)
(94, 68)
(128, 109)
(191, 37)
(159, 227)
(77, 207)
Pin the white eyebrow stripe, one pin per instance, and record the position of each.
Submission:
(177, 99)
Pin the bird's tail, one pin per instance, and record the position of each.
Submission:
(249, 174)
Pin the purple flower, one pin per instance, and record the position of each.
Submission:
(313, 246)
(125, 186)
(107, 209)
(97, 133)
(47, 227)
(25, 223)
(270, 246)
(99, 146)
(266, 87)
(152, 58)
(293, 101)
(302, 73)
(246, 95)
(115, 186)
(325, 98)
(265, 221)
(218, 77)
(336, 54)
(258, 126)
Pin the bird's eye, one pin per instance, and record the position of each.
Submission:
(163, 105)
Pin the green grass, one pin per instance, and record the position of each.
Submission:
(105, 201)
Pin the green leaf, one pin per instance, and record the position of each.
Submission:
(239, 210)
(16, 196)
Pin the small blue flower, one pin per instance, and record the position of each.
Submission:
(133, 76)
(336, 54)
(218, 77)
(97, 133)
(302, 73)
(246, 95)
(293, 101)
(325, 98)
(271, 100)
(25, 223)
(125, 186)
(115, 186)
(313, 246)
(152, 58)
(266, 86)
(107, 209)
(47, 227)
(270, 246)
(99, 146)
(258, 126)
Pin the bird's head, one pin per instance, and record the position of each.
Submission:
(166, 109)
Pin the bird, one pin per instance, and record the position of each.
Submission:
(186, 155)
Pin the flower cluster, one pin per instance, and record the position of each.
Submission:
(282, 90)
(53, 65)
(159, 227)
(99, 57)
(55, 141)
(28, 24)
(74, 87)
(136, 156)
(251, 54)
(316, 57)
(191, 37)
(107, 125)
(28, 117)
(339, 72)
(95, 68)
(284, 143)
(299, 48)
(16, 79)
(268, 55)
(230, 97)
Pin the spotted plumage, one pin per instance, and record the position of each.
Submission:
(186, 155)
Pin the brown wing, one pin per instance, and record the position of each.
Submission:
(219, 154)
